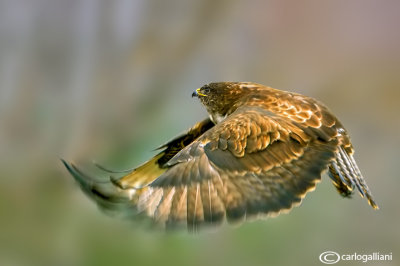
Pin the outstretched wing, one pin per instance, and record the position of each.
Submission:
(118, 195)
(253, 163)
(150, 170)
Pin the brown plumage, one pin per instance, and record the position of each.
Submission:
(258, 154)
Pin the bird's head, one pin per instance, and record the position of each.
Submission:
(221, 98)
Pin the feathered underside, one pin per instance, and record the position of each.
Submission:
(259, 161)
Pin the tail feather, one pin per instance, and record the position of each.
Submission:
(343, 185)
(346, 176)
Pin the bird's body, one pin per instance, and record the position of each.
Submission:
(258, 154)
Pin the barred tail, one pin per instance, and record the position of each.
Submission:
(346, 175)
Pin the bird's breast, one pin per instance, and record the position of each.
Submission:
(217, 118)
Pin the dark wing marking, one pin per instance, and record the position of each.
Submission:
(169, 149)
(177, 144)
(253, 163)
(150, 170)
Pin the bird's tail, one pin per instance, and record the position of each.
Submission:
(346, 175)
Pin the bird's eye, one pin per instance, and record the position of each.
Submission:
(206, 90)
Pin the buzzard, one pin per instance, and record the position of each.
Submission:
(258, 154)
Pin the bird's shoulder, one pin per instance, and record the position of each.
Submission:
(312, 116)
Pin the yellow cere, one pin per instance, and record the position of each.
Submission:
(199, 93)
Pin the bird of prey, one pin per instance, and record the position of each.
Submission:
(257, 155)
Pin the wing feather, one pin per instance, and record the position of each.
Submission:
(152, 169)
(266, 180)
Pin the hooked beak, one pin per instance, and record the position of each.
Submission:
(197, 93)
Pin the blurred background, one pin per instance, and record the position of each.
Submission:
(112, 80)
